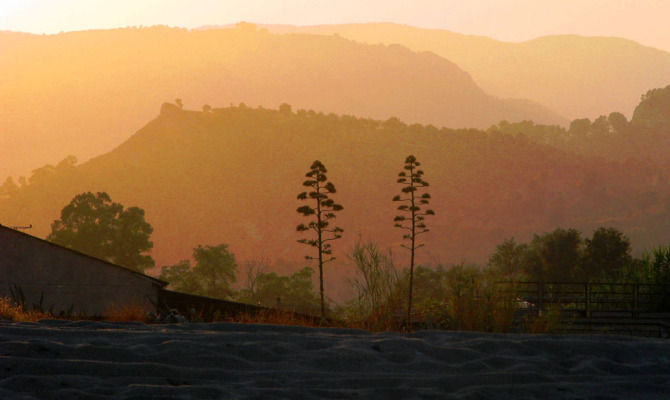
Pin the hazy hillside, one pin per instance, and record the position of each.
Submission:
(232, 175)
(573, 75)
(83, 93)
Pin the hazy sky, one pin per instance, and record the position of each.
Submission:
(645, 21)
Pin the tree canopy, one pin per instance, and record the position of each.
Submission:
(95, 225)
(563, 255)
(294, 292)
(212, 276)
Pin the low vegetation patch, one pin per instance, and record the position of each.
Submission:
(131, 311)
(12, 312)
(278, 317)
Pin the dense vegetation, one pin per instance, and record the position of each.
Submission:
(223, 175)
(457, 297)
(644, 137)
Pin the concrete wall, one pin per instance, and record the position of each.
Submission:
(67, 280)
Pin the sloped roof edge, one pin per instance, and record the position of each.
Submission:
(156, 281)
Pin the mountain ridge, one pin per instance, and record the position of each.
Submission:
(602, 73)
(231, 175)
(64, 94)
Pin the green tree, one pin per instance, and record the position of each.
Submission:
(653, 112)
(323, 211)
(654, 267)
(618, 122)
(508, 258)
(8, 189)
(94, 225)
(606, 255)
(580, 128)
(554, 256)
(181, 278)
(294, 292)
(600, 126)
(212, 276)
(215, 267)
(412, 180)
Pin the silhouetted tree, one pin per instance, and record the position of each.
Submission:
(215, 267)
(295, 292)
(508, 258)
(618, 122)
(653, 112)
(94, 225)
(412, 180)
(580, 128)
(323, 211)
(212, 276)
(600, 126)
(253, 269)
(653, 267)
(606, 254)
(8, 189)
(181, 278)
(554, 256)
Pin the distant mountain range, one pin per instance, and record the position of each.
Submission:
(83, 93)
(573, 75)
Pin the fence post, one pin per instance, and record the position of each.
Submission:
(587, 300)
(636, 291)
(540, 294)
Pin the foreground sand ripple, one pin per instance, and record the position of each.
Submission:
(66, 360)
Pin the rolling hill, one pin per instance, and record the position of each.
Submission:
(574, 75)
(83, 93)
(232, 174)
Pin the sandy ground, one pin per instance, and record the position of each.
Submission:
(76, 360)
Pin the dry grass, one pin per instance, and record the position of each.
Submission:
(126, 312)
(10, 311)
(277, 317)
(482, 311)
(379, 320)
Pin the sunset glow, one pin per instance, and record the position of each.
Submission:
(644, 21)
(181, 178)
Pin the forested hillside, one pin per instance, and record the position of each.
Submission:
(231, 175)
(645, 137)
(86, 92)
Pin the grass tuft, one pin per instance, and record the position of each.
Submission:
(277, 317)
(12, 312)
(126, 312)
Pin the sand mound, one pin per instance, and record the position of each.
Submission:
(64, 360)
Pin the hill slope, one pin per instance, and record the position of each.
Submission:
(574, 75)
(232, 175)
(82, 92)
